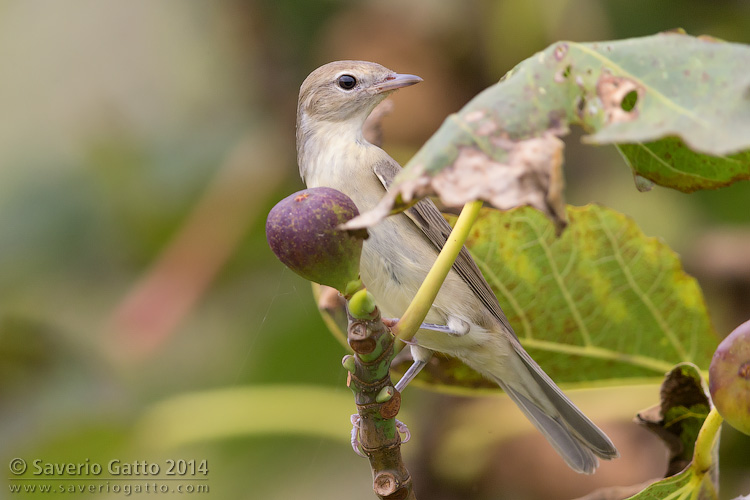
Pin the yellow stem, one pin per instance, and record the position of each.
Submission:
(422, 302)
(704, 444)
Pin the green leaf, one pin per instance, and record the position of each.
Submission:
(684, 486)
(669, 162)
(699, 481)
(678, 418)
(657, 96)
(601, 303)
(693, 88)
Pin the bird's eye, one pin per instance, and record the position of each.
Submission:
(347, 82)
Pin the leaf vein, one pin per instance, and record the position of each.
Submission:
(494, 280)
(591, 351)
(645, 299)
(671, 167)
(583, 329)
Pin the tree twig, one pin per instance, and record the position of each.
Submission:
(378, 402)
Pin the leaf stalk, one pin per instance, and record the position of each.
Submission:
(422, 302)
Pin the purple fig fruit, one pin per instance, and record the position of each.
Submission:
(729, 378)
(302, 230)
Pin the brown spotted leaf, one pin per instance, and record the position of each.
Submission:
(677, 106)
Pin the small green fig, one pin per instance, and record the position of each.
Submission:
(729, 378)
(302, 230)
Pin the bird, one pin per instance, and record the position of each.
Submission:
(465, 320)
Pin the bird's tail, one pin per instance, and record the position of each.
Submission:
(576, 438)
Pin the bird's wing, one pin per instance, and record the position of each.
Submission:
(430, 221)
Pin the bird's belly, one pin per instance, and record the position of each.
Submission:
(391, 266)
(393, 275)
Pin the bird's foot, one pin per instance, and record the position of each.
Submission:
(355, 419)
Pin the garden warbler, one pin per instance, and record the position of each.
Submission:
(466, 320)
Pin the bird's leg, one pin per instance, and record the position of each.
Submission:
(412, 372)
(438, 328)
(456, 327)
(421, 356)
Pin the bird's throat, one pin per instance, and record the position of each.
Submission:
(336, 155)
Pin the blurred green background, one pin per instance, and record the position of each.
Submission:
(142, 316)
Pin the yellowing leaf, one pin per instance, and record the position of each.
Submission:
(606, 302)
(603, 303)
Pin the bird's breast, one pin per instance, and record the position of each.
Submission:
(397, 255)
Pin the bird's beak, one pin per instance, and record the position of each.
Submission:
(395, 81)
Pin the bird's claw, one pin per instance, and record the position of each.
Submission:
(356, 420)
(403, 429)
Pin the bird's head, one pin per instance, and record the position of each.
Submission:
(345, 91)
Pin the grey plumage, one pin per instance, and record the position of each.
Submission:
(578, 440)
(332, 152)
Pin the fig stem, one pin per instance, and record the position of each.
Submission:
(362, 304)
(704, 444)
(422, 302)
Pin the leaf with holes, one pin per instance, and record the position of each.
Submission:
(677, 106)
